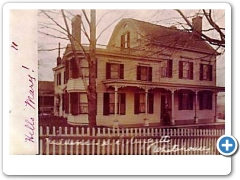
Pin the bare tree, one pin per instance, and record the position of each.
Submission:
(217, 41)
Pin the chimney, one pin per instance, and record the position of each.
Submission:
(197, 24)
(76, 28)
(59, 60)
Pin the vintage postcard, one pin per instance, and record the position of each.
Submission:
(120, 81)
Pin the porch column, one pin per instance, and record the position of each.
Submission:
(115, 122)
(146, 123)
(215, 110)
(196, 102)
(173, 118)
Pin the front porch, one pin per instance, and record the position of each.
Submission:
(171, 95)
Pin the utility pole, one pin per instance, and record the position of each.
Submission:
(92, 96)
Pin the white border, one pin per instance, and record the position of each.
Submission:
(116, 165)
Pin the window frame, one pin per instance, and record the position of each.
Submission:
(137, 103)
(125, 40)
(208, 103)
(109, 72)
(190, 75)
(148, 71)
(209, 76)
(189, 100)
(167, 68)
(121, 103)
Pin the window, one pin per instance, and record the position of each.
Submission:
(139, 103)
(125, 40)
(185, 70)
(144, 73)
(58, 79)
(166, 68)
(109, 103)
(114, 71)
(205, 100)
(83, 103)
(79, 103)
(185, 100)
(205, 72)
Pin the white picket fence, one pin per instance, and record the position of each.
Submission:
(128, 141)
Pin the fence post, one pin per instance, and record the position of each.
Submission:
(82, 146)
(93, 147)
(82, 131)
(77, 146)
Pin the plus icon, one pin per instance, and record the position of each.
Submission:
(227, 145)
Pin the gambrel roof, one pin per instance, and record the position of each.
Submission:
(164, 36)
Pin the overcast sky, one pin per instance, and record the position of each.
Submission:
(108, 19)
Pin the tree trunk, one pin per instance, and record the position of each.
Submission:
(92, 96)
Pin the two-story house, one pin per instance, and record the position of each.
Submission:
(147, 74)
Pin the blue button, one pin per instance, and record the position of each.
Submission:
(227, 145)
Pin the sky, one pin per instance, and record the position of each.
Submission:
(50, 34)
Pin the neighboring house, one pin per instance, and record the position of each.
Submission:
(45, 97)
(147, 74)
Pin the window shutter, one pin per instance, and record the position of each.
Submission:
(121, 71)
(138, 72)
(106, 104)
(74, 98)
(191, 70)
(149, 73)
(210, 72)
(122, 41)
(201, 72)
(108, 71)
(201, 100)
(136, 103)
(180, 99)
(190, 99)
(170, 68)
(128, 40)
(123, 104)
(180, 70)
(66, 102)
(150, 103)
(210, 94)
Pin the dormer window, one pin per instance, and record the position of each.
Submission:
(125, 40)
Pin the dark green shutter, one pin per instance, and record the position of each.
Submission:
(210, 69)
(149, 74)
(201, 72)
(180, 70)
(191, 70)
(150, 103)
(106, 104)
(108, 71)
(123, 103)
(180, 99)
(138, 72)
(170, 68)
(121, 71)
(136, 103)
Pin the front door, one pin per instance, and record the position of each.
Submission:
(165, 109)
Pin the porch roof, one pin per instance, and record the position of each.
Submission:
(153, 85)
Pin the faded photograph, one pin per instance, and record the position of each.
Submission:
(131, 82)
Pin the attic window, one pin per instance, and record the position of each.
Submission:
(125, 40)
(125, 26)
